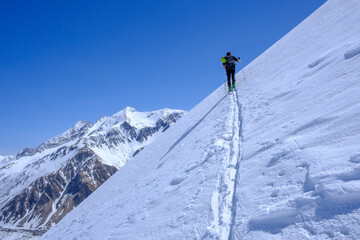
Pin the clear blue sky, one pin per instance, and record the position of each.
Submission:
(64, 61)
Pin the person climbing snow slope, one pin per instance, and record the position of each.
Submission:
(229, 65)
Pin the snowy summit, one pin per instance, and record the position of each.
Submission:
(277, 159)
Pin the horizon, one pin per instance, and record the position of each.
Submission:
(66, 62)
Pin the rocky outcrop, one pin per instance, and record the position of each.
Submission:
(51, 197)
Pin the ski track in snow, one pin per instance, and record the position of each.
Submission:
(238, 163)
(224, 199)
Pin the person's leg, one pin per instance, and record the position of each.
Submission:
(228, 73)
(233, 76)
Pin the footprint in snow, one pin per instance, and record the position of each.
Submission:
(177, 181)
(317, 62)
(355, 158)
(275, 193)
(282, 173)
(352, 53)
(276, 157)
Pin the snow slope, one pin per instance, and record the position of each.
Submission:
(277, 159)
(299, 175)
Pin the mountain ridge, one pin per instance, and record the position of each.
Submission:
(41, 185)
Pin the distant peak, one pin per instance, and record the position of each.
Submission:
(125, 111)
(130, 109)
(81, 124)
(6, 157)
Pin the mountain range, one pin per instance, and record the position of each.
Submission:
(40, 186)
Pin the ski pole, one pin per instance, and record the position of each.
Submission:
(242, 69)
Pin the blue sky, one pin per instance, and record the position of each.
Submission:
(64, 61)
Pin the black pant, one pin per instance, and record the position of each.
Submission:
(230, 74)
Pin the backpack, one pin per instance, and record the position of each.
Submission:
(230, 63)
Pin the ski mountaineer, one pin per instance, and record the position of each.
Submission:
(229, 66)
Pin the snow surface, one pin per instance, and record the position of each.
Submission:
(18, 234)
(277, 159)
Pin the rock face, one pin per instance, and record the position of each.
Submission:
(40, 186)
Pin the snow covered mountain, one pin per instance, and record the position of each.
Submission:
(277, 159)
(6, 158)
(40, 186)
(3, 157)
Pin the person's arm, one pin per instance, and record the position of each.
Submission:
(224, 65)
(238, 60)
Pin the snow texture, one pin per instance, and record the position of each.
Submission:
(18, 234)
(277, 159)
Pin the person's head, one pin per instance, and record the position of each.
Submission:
(228, 53)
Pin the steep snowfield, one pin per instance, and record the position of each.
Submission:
(300, 174)
(278, 159)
